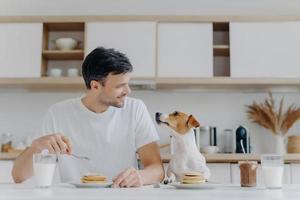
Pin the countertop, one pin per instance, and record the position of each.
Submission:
(224, 192)
(210, 158)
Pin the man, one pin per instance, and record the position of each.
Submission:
(104, 125)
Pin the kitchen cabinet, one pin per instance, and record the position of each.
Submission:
(185, 50)
(136, 39)
(265, 49)
(219, 172)
(20, 49)
(5, 171)
(295, 173)
(235, 174)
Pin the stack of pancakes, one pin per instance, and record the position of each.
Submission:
(93, 178)
(192, 177)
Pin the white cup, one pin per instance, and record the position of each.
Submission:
(72, 72)
(55, 72)
(272, 170)
(43, 169)
(209, 149)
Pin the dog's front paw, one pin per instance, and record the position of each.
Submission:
(170, 179)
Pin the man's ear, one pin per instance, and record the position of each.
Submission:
(192, 122)
(94, 84)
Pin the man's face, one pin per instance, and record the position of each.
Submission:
(114, 89)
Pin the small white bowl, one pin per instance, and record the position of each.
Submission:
(55, 72)
(72, 72)
(209, 149)
(66, 43)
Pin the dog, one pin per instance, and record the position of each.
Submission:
(186, 156)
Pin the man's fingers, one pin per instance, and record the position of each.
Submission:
(50, 148)
(69, 144)
(62, 145)
(128, 181)
(121, 177)
(55, 146)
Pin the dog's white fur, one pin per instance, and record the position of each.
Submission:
(186, 156)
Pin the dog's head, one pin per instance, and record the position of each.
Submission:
(178, 121)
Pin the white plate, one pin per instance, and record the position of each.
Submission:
(179, 185)
(91, 185)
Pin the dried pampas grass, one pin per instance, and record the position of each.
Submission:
(266, 115)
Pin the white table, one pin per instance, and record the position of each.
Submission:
(223, 192)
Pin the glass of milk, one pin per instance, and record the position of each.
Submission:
(272, 170)
(43, 169)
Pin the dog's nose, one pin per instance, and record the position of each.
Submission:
(157, 117)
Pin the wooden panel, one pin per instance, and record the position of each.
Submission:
(63, 55)
(185, 50)
(221, 50)
(20, 49)
(65, 26)
(265, 49)
(135, 39)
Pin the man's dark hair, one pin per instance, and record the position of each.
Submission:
(101, 62)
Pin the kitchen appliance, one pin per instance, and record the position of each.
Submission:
(241, 135)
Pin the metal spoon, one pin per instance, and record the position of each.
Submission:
(80, 157)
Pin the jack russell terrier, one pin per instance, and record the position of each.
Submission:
(186, 156)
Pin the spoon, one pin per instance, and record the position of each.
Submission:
(80, 157)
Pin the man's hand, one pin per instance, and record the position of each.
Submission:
(55, 143)
(129, 178)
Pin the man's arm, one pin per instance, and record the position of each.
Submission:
(153, 171)
(55, 143)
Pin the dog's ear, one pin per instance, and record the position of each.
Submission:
(192, 122)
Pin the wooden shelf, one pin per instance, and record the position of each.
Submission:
(221, 83)
(63, 55)
(235, 158)
(65, 26)
(62, 83)
(221, 50)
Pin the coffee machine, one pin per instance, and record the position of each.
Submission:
(242, 136)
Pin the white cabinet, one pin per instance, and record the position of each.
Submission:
(295, 173)
(20, 49)
(135, 39)
(5, 171)
(236, 178)
(219, 172)
(265, 49)
(185, 50)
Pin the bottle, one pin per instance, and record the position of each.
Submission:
(228, 141)
(6, 142)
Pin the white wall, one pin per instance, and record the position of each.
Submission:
(21, 113)
(149, 7)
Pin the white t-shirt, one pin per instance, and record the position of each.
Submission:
(110, 139)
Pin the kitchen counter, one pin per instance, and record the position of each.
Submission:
(210, 158)
(224, 192)
(234, 158)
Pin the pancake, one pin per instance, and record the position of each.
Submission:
(191, 177)
(93, 178)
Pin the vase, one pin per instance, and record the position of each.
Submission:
(280, 144)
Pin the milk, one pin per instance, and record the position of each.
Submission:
(273, 176)
(43, 174)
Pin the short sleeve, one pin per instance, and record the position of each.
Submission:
(145, 131)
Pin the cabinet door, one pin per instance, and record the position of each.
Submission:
(268, 49)
(20, 49)
(5, 171)
(295, 173)
(236, 177)
(219, 172)
(135, 39)
(185, 50)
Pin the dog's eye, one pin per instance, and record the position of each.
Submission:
(175, 113)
